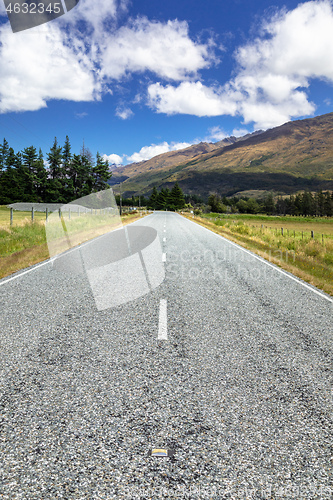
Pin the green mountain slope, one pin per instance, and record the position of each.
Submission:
(295, 156)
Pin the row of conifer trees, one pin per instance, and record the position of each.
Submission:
(61, 177)
(304, 204)
(166, 199)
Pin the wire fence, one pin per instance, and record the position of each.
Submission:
(49, 208)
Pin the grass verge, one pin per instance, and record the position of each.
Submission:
(310, 259)
(24, 244)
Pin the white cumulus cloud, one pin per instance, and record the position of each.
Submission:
(114, 159)
(191, 98)
(147, 152)
(269, 86)
(38, 65)
(60, 60)
(162, 48)
(273, 72)
(97, 17)
(216, 134)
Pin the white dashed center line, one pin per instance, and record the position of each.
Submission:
(163, 257)
(162, 326)
(164, 240)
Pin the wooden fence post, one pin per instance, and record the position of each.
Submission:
(11, 216)
(32, 214)
(47, 214)
(312, 234)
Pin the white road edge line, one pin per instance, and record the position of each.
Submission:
(25, 272)
(276, 268)
(163, 257)
(50, 260)
(163, 319)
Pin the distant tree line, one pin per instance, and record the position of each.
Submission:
(133, 201)
(304, 204)
(166, 199)
(63, 177)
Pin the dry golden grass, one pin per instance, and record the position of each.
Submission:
(19, 218)
(24, 244)
(319, 228)
(10, 264)
(308, 259)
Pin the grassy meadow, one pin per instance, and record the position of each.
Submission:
(309, 258)
(23, 244)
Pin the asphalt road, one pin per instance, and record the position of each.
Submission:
(228, 362)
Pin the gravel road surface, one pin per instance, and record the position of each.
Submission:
(227, 363)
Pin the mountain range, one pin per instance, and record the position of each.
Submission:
(286, 159)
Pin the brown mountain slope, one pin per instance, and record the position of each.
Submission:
(161, 161)
(297, 155)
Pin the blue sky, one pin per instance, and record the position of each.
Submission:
(135, 79)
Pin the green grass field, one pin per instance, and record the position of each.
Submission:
(309, 258)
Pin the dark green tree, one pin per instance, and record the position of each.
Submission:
(81, 178)
(54, 158)
(269, 204)
(281, 206)
(242, 206)
(101, 174)
(29, 162)
(75, 175)
(177, 197)
(152, 199)
(328, 204)
(54, 192)
(308, 206)
(290, 205)
(298, 205)
(86, 178)
(163, 199)
(4, 150)
(41, 178)
(319, 203)
(252, 206)
(66, 158)
(215, 203)
(12, 180)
